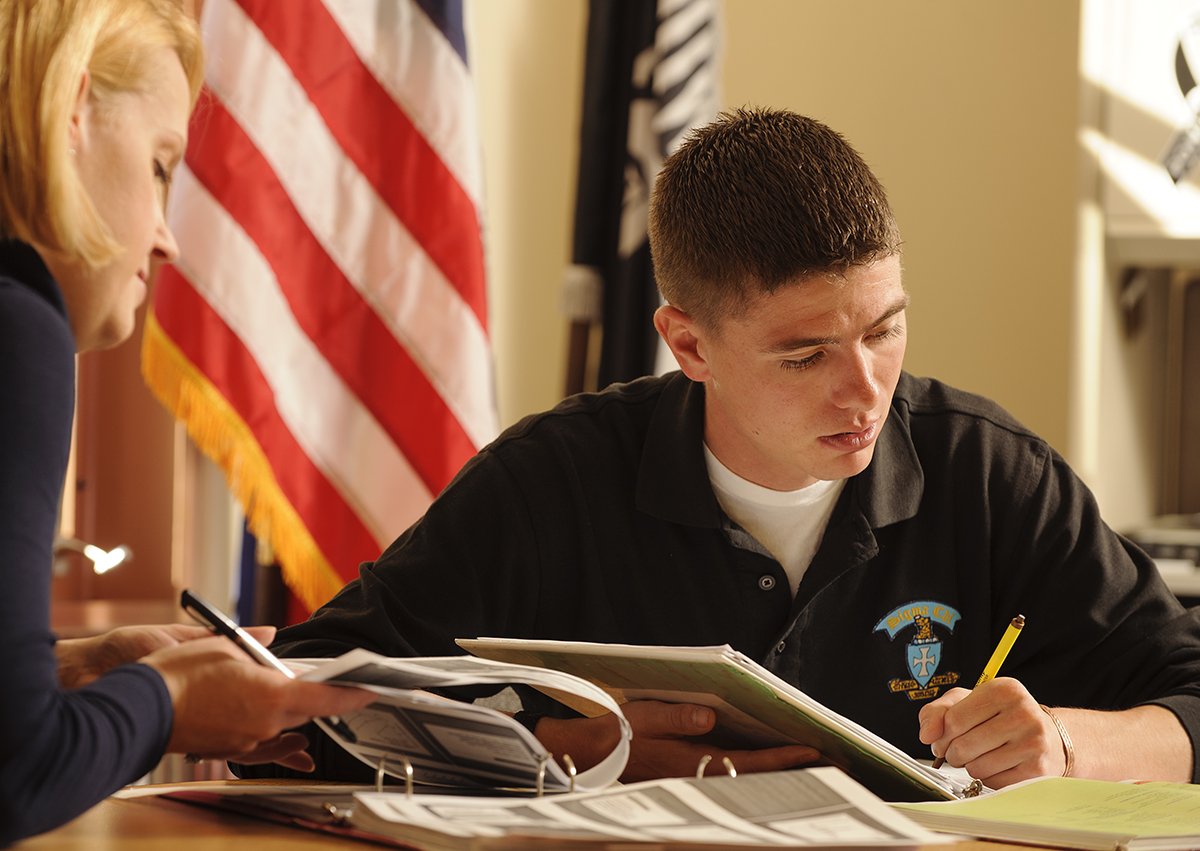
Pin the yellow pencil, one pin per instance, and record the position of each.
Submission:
(998, 656)
(1006, 642)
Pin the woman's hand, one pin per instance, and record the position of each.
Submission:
(82, 660)
(229, 707)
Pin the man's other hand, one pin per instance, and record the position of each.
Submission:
(663, 743)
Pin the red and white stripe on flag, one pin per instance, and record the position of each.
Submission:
(324, 331)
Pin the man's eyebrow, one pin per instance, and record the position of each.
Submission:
(786, 346)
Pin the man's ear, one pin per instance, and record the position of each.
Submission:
(685, 339)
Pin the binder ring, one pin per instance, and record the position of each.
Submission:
(541, 775)
(338, 816)
(570, 763)
(408, 774)
(707, 758)
(408, 777)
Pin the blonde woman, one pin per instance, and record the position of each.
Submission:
(94, 103)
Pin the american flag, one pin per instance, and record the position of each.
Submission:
(324, 331)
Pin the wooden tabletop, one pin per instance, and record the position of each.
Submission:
(159, 824)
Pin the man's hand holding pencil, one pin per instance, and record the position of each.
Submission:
(997, 731)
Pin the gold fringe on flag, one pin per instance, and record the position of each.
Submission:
(224, 437)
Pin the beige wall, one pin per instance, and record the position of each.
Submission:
(967, 111)
(527, 57)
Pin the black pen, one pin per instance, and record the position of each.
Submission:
(220, 623)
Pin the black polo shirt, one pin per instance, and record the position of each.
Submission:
(596, 521)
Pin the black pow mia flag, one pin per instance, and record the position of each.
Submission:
(651, 75)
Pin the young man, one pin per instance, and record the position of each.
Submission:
(864, 534)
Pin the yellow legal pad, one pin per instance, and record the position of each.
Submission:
(1070, 813)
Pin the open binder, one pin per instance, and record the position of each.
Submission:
(418, 736)
(754, 707)
(818, 807)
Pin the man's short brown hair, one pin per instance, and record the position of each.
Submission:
(759, 199)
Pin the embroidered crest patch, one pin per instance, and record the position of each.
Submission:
(923, 653)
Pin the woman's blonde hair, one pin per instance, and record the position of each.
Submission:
(45, 46)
